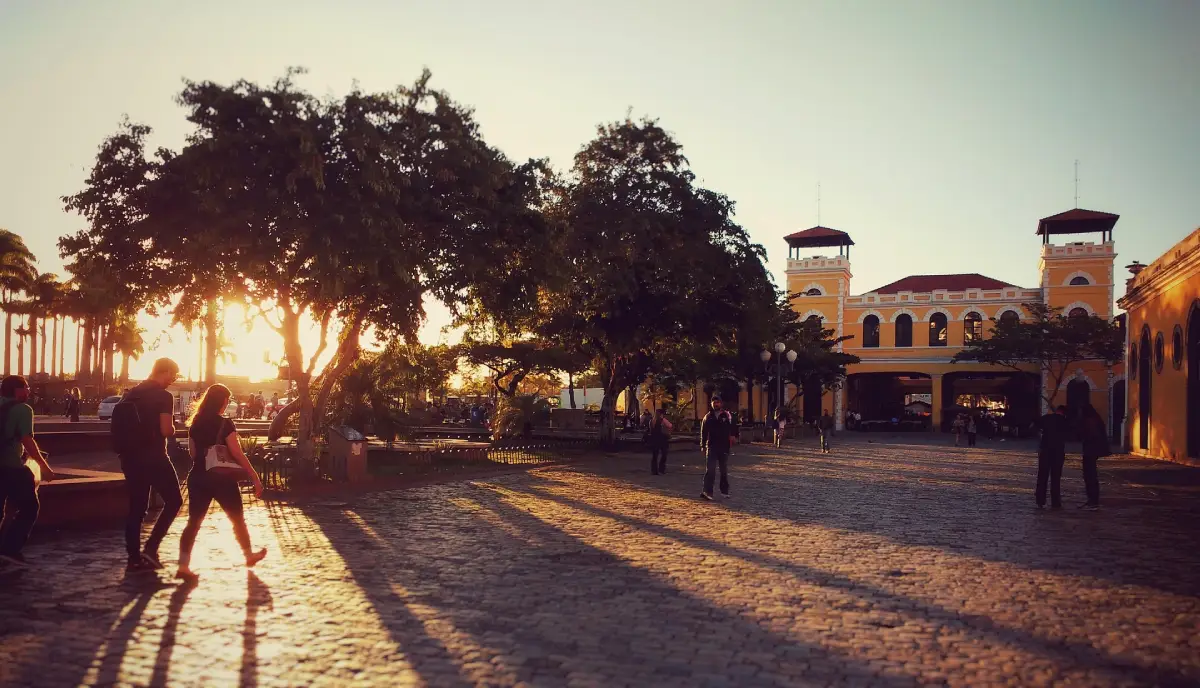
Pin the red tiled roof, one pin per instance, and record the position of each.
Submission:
(1076, 221)
(926, 283)
(819, 236)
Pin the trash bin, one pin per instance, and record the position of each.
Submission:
(348, 452)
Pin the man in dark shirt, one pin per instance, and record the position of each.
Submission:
(1052, 453)
(718, 432)
(149, 467)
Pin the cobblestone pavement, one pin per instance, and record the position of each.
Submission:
(879, 564)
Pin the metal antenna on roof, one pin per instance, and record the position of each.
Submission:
(1077, 184)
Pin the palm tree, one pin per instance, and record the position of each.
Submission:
(128, 341)
(17, 274)
(43, 292)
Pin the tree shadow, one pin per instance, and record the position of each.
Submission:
(893, 603)
(496, 583)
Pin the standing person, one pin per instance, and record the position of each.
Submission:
(208, 427)
(647, 419)
(957, 427)
(718, 432)
(780, 426)
(18, 486)
(972, 429)
(73, 405)
(1095, 445)
(660, 441)
(145, 423)
(1052, 452)
(825, 428)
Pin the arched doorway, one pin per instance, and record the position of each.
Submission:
(1193, 381)
(1145, 370)
(1078, 395)
(1118, 409)
(812, 402)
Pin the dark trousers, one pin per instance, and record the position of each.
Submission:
(19, 494)
(202, 490)
(1050, 467)
(717, 460)
(970, 439)
(142, 474)
(1091, 478)
(658, 456)
(824, 439)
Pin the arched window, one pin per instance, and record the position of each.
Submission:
(1159, 352)
(937, 329)
(1078, 312)
(1010, 318)
(871, 331)
(904, 330)
(1177, 348)
(972, 327)
(813, 321)
(1079, 281)
(813, 292)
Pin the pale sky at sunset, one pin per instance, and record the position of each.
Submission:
(940, 131)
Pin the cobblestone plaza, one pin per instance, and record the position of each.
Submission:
(880, 564)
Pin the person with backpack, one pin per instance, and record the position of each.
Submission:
(825, 427)
(142, 423)
(218, 464)
(718, 432)
(1094, 437)
(18, 484)
(660, 440)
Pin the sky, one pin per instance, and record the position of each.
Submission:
(939, 132)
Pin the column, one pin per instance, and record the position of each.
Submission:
(936, 403)
(838, 422)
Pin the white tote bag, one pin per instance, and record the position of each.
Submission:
(219, 461)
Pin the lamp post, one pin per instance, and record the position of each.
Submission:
(780, 347)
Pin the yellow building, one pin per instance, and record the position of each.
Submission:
(906, 332)
(1162, 304)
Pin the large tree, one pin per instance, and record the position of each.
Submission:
(645, 253)
(1049, 341)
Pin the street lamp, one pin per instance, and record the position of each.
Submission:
(780, 347)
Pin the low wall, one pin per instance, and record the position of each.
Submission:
(88, 502)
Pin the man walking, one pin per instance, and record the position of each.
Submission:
(18, 486)
(825, 428)
(146, 419)
(1052, 453)
(660, 441)
(718, 432)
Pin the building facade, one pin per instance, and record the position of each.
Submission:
(907, 332)
(1162, 304)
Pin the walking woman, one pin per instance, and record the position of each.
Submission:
(1095, 445)
(780, 426)
(73, 405)
(208, 428)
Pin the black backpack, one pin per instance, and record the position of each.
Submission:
(125, 427)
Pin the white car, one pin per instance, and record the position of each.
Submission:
(104, 411)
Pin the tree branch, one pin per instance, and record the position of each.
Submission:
(312, 362)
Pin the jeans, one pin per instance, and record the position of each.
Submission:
(970, 439)
(1091, 478)
(824, 441)
(717, 460)
(1050, 466)
(202, 490)
(658, 456)
(141, 474)
(18, 492)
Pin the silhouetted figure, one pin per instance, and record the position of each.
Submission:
(1095, 445)
(1052, 452)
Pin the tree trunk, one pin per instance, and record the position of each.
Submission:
(20, 354)
(110, 355)
(608, 420)
(124, 368)
(7, 343)
(78, 347)
(750, 397)
(211, 342)
(85, 359)
(54, 350)
(571, 388)
(42, 365)
(348, 352)
(33, 345)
